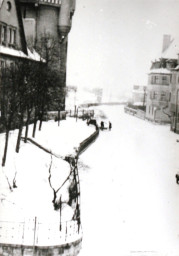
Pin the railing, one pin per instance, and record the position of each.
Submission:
(130, 110)
(80, 113)
(35, 233)
(54, 2)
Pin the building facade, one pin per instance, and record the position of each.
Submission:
(174, 102)
(159, 79)
(52, 19)
(13, 47)
(158, 95)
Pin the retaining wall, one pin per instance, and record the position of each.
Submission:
(84, 144)
(71, 249)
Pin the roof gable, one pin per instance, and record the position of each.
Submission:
(13, 18)
(172, 50)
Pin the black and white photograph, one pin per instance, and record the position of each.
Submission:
(89, 127)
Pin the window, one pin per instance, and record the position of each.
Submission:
(12, 66)
(8, 7)
(3, 34)
(2, 67)
(12, 36)
(163, 96)
(164, 80)
(2, 64)
(154, 80)
(155, 95)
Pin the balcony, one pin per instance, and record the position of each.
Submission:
(53, 2)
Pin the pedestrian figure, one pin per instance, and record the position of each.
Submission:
(177, 178)
(110, 125)
(102, 125)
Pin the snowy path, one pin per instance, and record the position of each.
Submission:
(130, 200)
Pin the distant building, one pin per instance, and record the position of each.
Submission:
(174, 101)
(50, 18)
(159, 77)
(139, 95)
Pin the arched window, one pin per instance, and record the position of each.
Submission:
(9, 6)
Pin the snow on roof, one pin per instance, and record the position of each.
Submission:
(160, 71)
(17, 53)
(34, 55)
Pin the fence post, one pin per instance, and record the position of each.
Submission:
(76, 114)
(35, 224)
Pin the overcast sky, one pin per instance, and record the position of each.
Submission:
(112, 42)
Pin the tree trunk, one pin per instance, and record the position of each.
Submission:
(6, 146)
(59, 118)
(20, 133)
(40, 124)
(35, 124)
(27, 125)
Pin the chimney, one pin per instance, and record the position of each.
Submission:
(166, 42)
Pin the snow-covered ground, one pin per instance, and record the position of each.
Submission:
(129, 196)
(31, 169)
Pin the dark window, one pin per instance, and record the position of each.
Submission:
(154, 80)
(3, 34)
(2, 66)
(164, 80)
(163, 96)
(155, 96)
(9, 6)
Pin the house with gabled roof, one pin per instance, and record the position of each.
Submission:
(159, 79)
(13, 45)
(12, 37)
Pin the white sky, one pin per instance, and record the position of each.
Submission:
(112, 42)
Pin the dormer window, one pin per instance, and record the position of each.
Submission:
(12, 36)
(9, 6)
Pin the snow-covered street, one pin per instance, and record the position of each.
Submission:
(129, 195)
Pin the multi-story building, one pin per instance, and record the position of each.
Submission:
(52, 19)
(13, 47)
(174, 102)
(158, 89)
